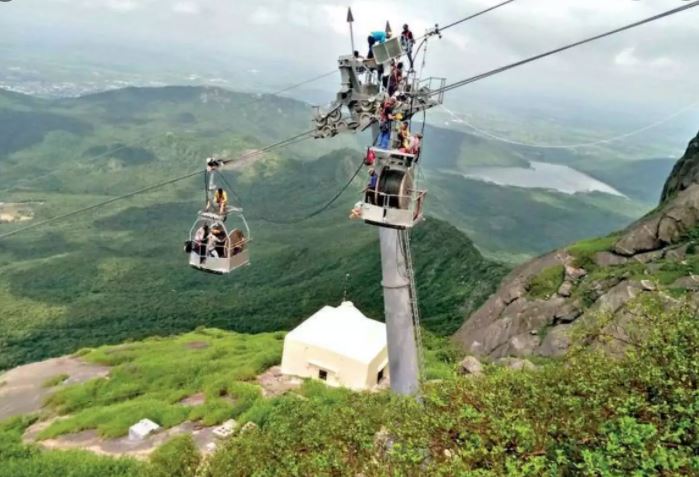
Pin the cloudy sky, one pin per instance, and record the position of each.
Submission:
(655, 66)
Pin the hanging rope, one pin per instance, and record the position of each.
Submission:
(318, 211)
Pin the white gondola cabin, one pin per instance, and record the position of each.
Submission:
(216, 247)
(218, 240)
(395, 201)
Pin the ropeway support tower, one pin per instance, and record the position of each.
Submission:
(396, 202)
(400, 308)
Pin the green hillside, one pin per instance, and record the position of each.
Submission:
(119, 273)
(82, 145)
(515, 220)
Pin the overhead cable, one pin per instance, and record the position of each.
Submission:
(149, 188)
(531, 59)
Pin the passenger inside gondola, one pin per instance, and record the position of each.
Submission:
(218, 241)
(237, 241)
(201, 241)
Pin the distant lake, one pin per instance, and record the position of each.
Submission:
(540, 175)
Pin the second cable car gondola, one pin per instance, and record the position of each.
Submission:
(396, 201)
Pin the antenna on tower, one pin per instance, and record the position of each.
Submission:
(350, 20)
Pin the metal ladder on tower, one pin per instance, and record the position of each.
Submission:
(405, 239)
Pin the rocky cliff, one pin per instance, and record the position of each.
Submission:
(537, 305)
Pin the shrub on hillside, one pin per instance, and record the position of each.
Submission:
(20, 460)
(178, 457)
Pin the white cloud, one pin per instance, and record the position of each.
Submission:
(187, 8)
(627, 57)
(122, 5)
(664, 62)
(264, 16)
(458, 40)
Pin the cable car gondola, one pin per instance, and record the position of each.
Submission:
(396, 202)
(218, 241)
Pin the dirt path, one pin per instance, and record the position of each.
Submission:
(140, 449)
(274, 383)
(22, 389)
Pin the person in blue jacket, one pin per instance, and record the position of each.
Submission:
(376, 37)
(370, 196)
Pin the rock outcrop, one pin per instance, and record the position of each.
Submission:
(654, 255)
(471, 365)
(684, 174)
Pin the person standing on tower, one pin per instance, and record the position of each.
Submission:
(385, 119)
(395, 78)
(407, 41)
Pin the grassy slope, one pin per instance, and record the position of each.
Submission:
(587, 415)
(150, 378)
